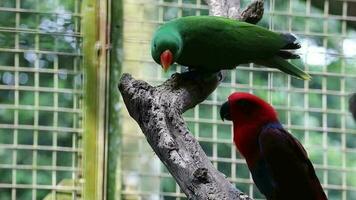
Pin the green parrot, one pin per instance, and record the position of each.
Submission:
(211, 44)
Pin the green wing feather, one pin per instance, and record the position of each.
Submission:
(286, 67)
(216, 43)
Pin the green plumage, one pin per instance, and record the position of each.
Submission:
(214, 43)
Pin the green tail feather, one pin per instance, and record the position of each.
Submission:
(286, 67)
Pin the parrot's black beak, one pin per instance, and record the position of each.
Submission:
(225, 111)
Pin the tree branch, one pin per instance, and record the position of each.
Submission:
(253, 13)
(158, 112)
(231, 8)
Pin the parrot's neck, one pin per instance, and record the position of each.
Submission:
(246, 141)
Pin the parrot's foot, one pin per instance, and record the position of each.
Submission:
(220, 75)
(200, 76)
(185, 69)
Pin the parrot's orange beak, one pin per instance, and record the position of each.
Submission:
(166, 59)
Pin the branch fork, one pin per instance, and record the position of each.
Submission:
(158, 111)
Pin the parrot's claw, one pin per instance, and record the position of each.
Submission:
(190, 75)
(175, 75)
(220, 76)
(185, 69)
(201, 76)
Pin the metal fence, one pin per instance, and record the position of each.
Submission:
(314, 111)
(41, 88)
(40, 99)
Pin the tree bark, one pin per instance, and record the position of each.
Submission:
(158, 112)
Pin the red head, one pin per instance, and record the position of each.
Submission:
(248, 113)
(245, 108)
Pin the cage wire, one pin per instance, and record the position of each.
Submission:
(41, 86)
(313, 111)
(40, 99)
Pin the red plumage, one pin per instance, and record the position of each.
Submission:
(278, 162)
(249, 123)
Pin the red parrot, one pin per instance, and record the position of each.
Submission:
(277, 161)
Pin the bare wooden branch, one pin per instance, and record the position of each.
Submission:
(253, 13)
(158, 112)
(225, 8)
(231, 8)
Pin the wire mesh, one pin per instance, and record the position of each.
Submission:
(40, 92)
(313, 111)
